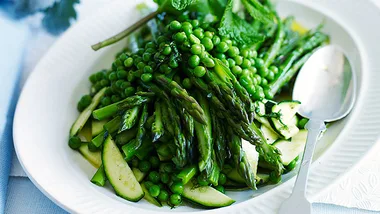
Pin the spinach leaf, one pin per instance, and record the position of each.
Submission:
(258, 11)
(237, 28)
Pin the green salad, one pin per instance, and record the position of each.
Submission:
(190, 108)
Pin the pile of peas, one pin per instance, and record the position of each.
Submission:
(187, 44)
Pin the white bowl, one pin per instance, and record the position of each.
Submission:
(47, 108)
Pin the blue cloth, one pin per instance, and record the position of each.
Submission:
(12, 40)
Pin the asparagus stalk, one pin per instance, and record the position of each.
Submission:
(157, 126)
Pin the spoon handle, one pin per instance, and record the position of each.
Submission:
(314, 128)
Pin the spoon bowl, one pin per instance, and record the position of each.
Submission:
(325, 85)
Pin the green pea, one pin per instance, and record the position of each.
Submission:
(183, 17)
(148, 69)
(147, 56)
(154, 190)
(164, 68)
(187, 30)
(150, 50)
(104, 82)
(216, 40)
(233, 51)
(180, 37)
(224, 61)
(164, 177)
(246, 63)
(259, 94)
(75, 142)
(131, 77)
(129, 91)
(302, 123)
(163, 196)
(207, 42)
(148, 184)
(245, 81)
(259, 62)
(150, 45)
(141, 65)
(238, 60)
(187, 25)
(222, 179)
(253, 70)
(125, 85)
(195, 23)
(118, 62)
(251, 89)
(154, 177)
(246, 53)
(209, 34)
(208, 62)
(112, 76)
(175, 199)
(198, 33)
(154, 161)
(85, 101)
(220, 56)
(270, 76)
(220, 189)
(274, 69)
(92, 78)
(237, 70)
(167, 50)
(106, 101)
(199, 71)
(202, 180)
(193, 39)
(173, 63)
(264, 72)
(255, 82)
(98, 86)
(186, 83)
(264, 82)
(205, 25)
(222, 47)
(115, 98)
(196, 49)
(177, 187)
(161, 39)
(121, 74)
(231, 62)
(194, 61)
(146, 77)
(144, 166)
(175, 25)
(137, 60)
(128, 62)
(258, 78)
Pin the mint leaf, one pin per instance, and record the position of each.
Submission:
(237, 28)
(206, 7)
(181, 4)
(258, 11)
(57, 17)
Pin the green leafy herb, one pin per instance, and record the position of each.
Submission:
(258, 11)
(237, 28)
(181, 4)
(57, 17)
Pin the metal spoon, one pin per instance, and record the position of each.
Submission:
(326, 88)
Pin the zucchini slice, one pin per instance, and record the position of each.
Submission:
(262, 178)
(119, 174)
(97, 126)
(206, 196)
(86, 113)
(291, 149)
(269, 134)
(286, 125)
(95, 158)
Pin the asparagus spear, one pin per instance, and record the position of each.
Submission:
(99, 177)
(114, 108)
(157, 126)
(141, 128)
(241, 162)
(204, 136)
(219, 140)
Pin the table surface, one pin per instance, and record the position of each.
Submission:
(32, 200)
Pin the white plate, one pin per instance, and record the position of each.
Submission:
(46, 109)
